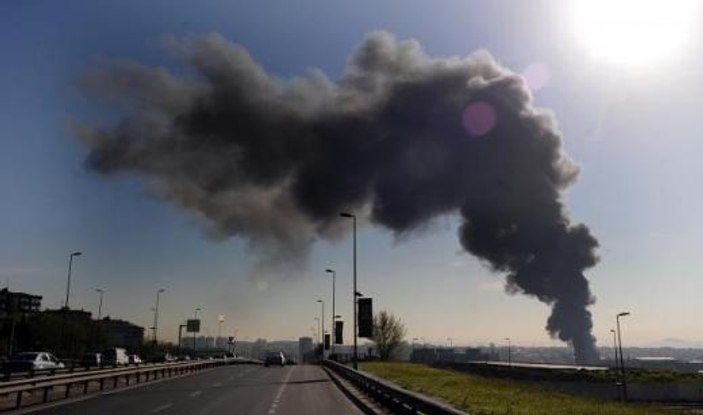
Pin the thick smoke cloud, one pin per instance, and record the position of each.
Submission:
(401, 138)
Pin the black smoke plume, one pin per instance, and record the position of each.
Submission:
(401, 138)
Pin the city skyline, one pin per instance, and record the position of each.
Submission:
(632, 131)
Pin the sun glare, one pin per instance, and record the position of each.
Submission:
(634, 32)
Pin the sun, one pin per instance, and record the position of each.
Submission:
(634, 32)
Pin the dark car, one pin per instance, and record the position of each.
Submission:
(274, 358)
(92, 359)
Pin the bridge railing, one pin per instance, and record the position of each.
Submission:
(392, 397)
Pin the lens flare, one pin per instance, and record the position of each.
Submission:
(536, 76)
(479, 118)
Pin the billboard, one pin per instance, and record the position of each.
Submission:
(338, 332)
(193, 326)
(365, 317)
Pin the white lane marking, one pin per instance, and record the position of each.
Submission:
(216, 385)
(194, 394)
(161, 408)
(230, 378)
(277, 399)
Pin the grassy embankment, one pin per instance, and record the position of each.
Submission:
(482, 396)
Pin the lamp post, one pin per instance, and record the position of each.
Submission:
(100, 304)
(615, 347)
(354, 295)
(510, 360)
(334, 315)
(156, 312)
(322, 325)
(68, 283)
(65, 305)
(622, 362)
(195, 317)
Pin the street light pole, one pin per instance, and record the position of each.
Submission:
(615, 348)
(622, 362)
(322, 324)
(356, 356)
(65, 305)
(510, 360)
(334, 312)
(68, 283)
(100, 305)
(156, 312)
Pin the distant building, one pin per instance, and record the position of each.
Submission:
(80, 316)
(200, 343)
(474, 354)
(670, 363)
(120, 333)
(12, 303)
(431, 354)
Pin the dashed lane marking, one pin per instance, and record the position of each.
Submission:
(161, 408)
(194, 394)
(277, 399)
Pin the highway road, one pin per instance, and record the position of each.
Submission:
(238, 389)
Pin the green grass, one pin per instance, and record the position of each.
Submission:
(483, 396)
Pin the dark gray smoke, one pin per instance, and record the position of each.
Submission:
(401, 138)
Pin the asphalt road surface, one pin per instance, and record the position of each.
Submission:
(238, 389)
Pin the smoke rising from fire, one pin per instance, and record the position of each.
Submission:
(401, 137)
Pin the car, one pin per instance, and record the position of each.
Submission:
(92, 359)
(274, 358)
(27, 361)
(135, 359)
(164, 358)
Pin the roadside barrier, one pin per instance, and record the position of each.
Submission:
(395, 399)
(109, 378)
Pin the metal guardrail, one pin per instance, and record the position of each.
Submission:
(9, 375)
(392, 397)
(129, 375)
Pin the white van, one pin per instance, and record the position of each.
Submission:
(115, 356)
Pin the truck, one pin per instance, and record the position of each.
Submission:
(115, 356)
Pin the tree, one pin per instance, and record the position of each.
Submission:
(388, 334)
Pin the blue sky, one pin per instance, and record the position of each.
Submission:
(634, 131)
